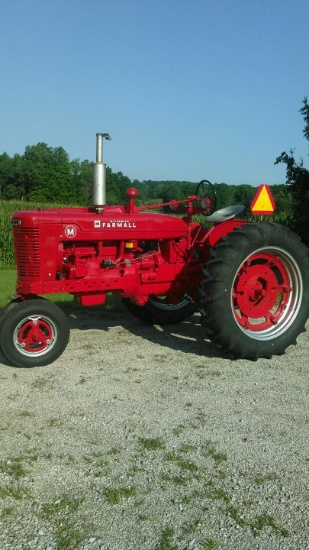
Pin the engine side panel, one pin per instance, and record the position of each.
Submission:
(80, 251)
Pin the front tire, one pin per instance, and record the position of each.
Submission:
(34, 333)
(6, 309)
(254, 298)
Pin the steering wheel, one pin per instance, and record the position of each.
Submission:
(208, 195)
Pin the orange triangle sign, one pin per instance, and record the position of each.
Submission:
(263, 202)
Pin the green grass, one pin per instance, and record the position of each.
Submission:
(13, 467)
(60, 515)
(151, 444)
(182, 463)
(6, 512)
(265, 520)
(115, 495)
(67, 504)
(14, 492)
(211, 544)
(7, 285)
(218, 456)
(166, 540)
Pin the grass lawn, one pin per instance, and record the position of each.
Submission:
(7, 285)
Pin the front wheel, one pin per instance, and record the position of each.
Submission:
(6, 309)
(162, 310)
(34, 333)
(254, 299)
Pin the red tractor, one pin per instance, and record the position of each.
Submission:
(248, 280)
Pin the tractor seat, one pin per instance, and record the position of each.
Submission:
(225, 214)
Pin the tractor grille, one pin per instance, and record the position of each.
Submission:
(27, 252)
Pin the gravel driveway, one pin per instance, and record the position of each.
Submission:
(150, 438)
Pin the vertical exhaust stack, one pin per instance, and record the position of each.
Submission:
(99, 175)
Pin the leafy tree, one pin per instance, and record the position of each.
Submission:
(11, 184)
(244, 194)
(225, 194)
(283, 200)
(81, 173)
(297, 177)
(5, 173)
(172, 192)
(82, 177)
(116, 186)
(46, 173)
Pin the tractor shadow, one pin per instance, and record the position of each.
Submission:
(186, 337)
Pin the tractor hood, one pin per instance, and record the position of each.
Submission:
(112, 224)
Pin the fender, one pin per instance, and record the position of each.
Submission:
(216, 232)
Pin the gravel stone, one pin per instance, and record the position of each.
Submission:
(148, 438)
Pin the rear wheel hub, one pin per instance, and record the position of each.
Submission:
(261, 291)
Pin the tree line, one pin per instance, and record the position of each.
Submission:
(46, 174)
(226, 195)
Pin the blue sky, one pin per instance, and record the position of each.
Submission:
(188, 89)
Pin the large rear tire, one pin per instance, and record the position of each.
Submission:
(254, 291)
(33, 333)
(161, 310)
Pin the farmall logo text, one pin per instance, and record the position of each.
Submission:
(115, 224)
